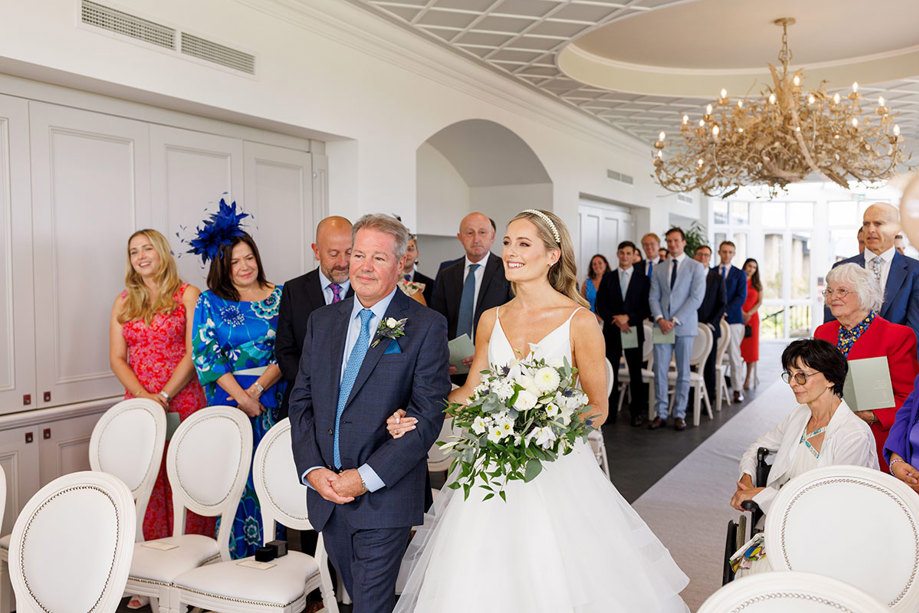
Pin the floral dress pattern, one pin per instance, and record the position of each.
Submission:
(230, 337)
(154, 351)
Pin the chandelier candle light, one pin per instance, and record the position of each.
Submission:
(781, 138)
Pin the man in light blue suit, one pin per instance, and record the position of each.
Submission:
(677, 291)
(897, 274)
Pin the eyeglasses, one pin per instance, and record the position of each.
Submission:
(799, 377)
(842, 293)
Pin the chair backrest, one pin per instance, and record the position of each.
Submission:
(852, 523)
(72, 544)
(281, 494)
(647, 348)
(438, 460)
(790, 592)
(207, 464)
(723, 341)
(609, 377)
(701, 346)
(128, 442)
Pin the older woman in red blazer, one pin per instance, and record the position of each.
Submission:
(854, 298)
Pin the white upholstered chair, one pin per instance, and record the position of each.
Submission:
(854, 524)
(791, 592)
(625, 379)
(723, 392)
(701, 347)
(207, 464)
(71, 545)
(231, 587)
(127, 442)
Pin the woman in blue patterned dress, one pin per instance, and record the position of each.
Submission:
(233, 352)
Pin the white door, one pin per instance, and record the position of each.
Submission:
(17, 332)
(90, 191)
(191, 171)
(602, 228)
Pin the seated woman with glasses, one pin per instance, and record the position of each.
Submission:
(854, 297)
(821, 430)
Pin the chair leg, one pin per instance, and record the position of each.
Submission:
(651, 401)
(708, 404)
(622, 389)
(696, 404)
(6, 588)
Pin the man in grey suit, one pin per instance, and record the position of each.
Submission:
(677, 291)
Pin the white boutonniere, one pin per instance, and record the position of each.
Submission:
(390, 328)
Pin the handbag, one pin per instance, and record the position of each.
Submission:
(747, 331)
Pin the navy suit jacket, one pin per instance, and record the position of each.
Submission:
(448, 291)
(901, 296)
(735, 288)
(416, 378)
(635, 305)
(713, 303)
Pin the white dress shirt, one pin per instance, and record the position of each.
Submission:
(327, 292)
(886, 259)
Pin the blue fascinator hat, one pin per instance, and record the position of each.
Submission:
(220, 229)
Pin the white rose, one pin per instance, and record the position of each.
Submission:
(390, 322)
(479, 425)
(524, 380)
(547, 380)
(525, 401)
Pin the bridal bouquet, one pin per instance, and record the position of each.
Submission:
(520, 416)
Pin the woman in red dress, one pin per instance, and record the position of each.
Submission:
(749, 346)
(149, 347)
(854, 298)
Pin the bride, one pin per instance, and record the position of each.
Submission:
(566, 541)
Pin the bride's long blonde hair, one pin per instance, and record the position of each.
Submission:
(563, 275)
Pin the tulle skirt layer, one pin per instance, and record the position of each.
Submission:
(565, 542)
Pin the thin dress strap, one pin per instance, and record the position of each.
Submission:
(570, 317)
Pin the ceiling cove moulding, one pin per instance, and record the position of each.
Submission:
(610, 74)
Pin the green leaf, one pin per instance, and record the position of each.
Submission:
(503, 497)
(491, 496)
(534, 467)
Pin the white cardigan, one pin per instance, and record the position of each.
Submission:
(848, 440)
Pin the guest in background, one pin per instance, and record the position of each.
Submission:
(150, 352)
(637, 259)
(861, 240)
(897, 274)
(711, 312)
(235, 326)
(622, 302)
(599, 266)
(664, 253)
(820, 431)
(749, 346)
(326, 284)
(412, 278)
(899, 243)
(468, 288)
(445, 263)
(735, 287)
(677, 290)
(651, 244)
(854, 298)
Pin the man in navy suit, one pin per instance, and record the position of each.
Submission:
(897, 274)
(735, 287)
(364, 358)
(711, 313)
(677, 290)
(622, 302)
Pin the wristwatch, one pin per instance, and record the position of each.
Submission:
(259, 387)
(164, 395)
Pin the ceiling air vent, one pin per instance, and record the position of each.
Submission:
(127, 25)
(204, 49)
(620, 176)
(684, 198)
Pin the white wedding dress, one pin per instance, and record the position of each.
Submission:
(565, 542)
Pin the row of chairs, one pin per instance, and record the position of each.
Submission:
(703, 344)
(849, 525)
(79, 540)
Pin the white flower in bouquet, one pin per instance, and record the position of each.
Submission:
(555, 363)
(495, 433)
(505, 423)
(552, 410)
(546, 437)
(480, 425)
(547, 380)
(504, 390)
(525, 400)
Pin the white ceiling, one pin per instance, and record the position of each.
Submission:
(522, 39)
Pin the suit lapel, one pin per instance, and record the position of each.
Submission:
(339, 334)
(395, 310)
(314, 291)
(895, 280)
(491, 263)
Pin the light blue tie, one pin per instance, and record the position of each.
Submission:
(464, 322)
(347, 380)
(624, 283)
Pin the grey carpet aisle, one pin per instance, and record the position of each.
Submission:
(688, 508)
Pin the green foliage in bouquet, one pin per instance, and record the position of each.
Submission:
(519, 416)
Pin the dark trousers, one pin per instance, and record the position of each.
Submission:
(638, 389)
(708, 372)
(367, 560)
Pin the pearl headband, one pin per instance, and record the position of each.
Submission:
(545, 218)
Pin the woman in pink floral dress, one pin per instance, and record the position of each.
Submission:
(149, 347)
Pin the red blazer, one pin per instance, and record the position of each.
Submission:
(898, 343)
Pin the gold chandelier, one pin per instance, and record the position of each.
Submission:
(780, 139)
